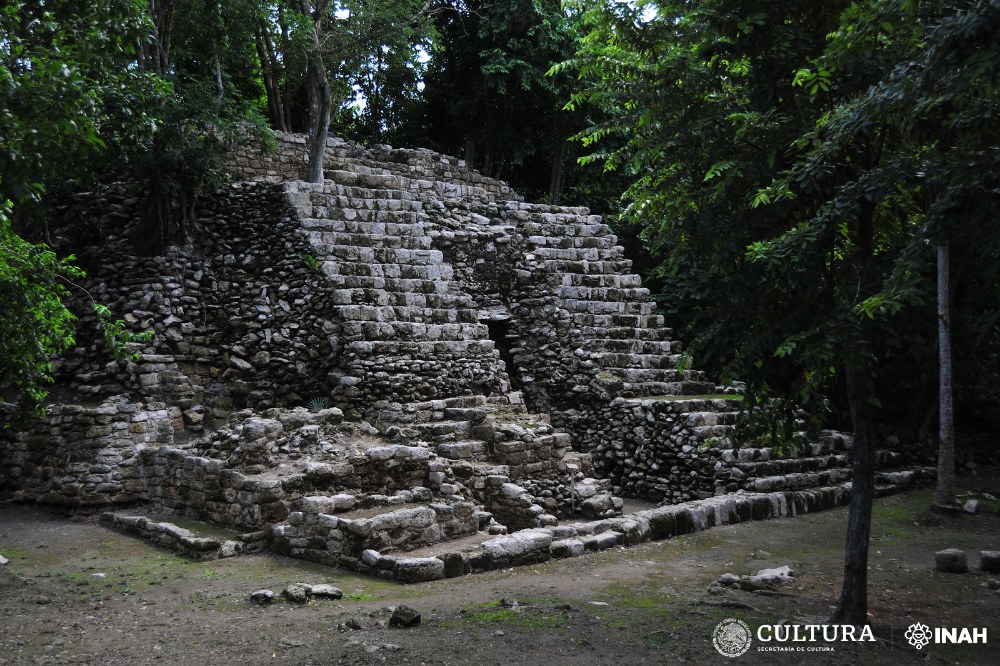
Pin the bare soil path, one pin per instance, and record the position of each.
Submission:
(77, 593)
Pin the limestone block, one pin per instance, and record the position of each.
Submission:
(989, 561)
(518, 544)
(419, 569)
(951, 560)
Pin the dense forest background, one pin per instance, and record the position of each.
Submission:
(784, 174)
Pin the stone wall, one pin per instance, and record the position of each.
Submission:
(663, 450)
(85, 457)
(443, 174)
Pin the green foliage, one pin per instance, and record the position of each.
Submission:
(70, 98)
(69, 91)
(310, 261)
(35, 322)
(118, 338)
(488, 95)
(800, 161)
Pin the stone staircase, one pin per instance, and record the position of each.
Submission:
(613, 327)
(407, 330)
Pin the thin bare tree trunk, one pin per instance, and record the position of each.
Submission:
(320, 105)
(268, 60)
(319, 116)
(558, 162)
(944, 496)
(852, 608)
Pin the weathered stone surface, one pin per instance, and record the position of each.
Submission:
(325, 591)
(262, 597)
(403, 616)
(419, 569)
(951, 560)
(296, 594)
(989, 561)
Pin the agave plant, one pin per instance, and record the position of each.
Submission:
(318, 403)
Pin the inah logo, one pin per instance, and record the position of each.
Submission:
(919, 635)
(731, 637)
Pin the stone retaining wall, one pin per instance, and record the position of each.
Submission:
(656, 449)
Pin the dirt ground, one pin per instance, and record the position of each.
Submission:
(77, 593)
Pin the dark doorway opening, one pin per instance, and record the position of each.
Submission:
(499, 330)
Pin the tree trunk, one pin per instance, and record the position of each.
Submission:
(319, 115)
(155, 56)
(470, 150)
(558, 160)
(268, 66)
(220, 90)
(852, 608)
(286, 49)
(319, 96)
(944, 496)
(853, 605)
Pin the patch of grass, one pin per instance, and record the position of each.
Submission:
(522, 617)
(14, 553)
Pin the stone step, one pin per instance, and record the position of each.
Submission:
(443, 431)
(613, 280)
(618, 320)
(481, 552)
(429, 186)
(430, 410)
(395, 381)
(423, 349)
(405, 331)
(339, 181)
(798, 480)
(790, 465)
(641, 389)
(643, 375)
(318, 215)
(352, 196)
(646, 361)
(360, 268)
(714, 417)
(585, 267)
(548, 254)
(528, 209)
(633, 346)
(474, 450)
(883, 459)
(603, 293)
(393, 285)
(570, 242)
(368, 228)
(628, 334)
(346, 538)
(390, 313)
(623, 308)
(387, 256)
(381, 297)
(766, 454)
(194, 538)
(341, 238)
